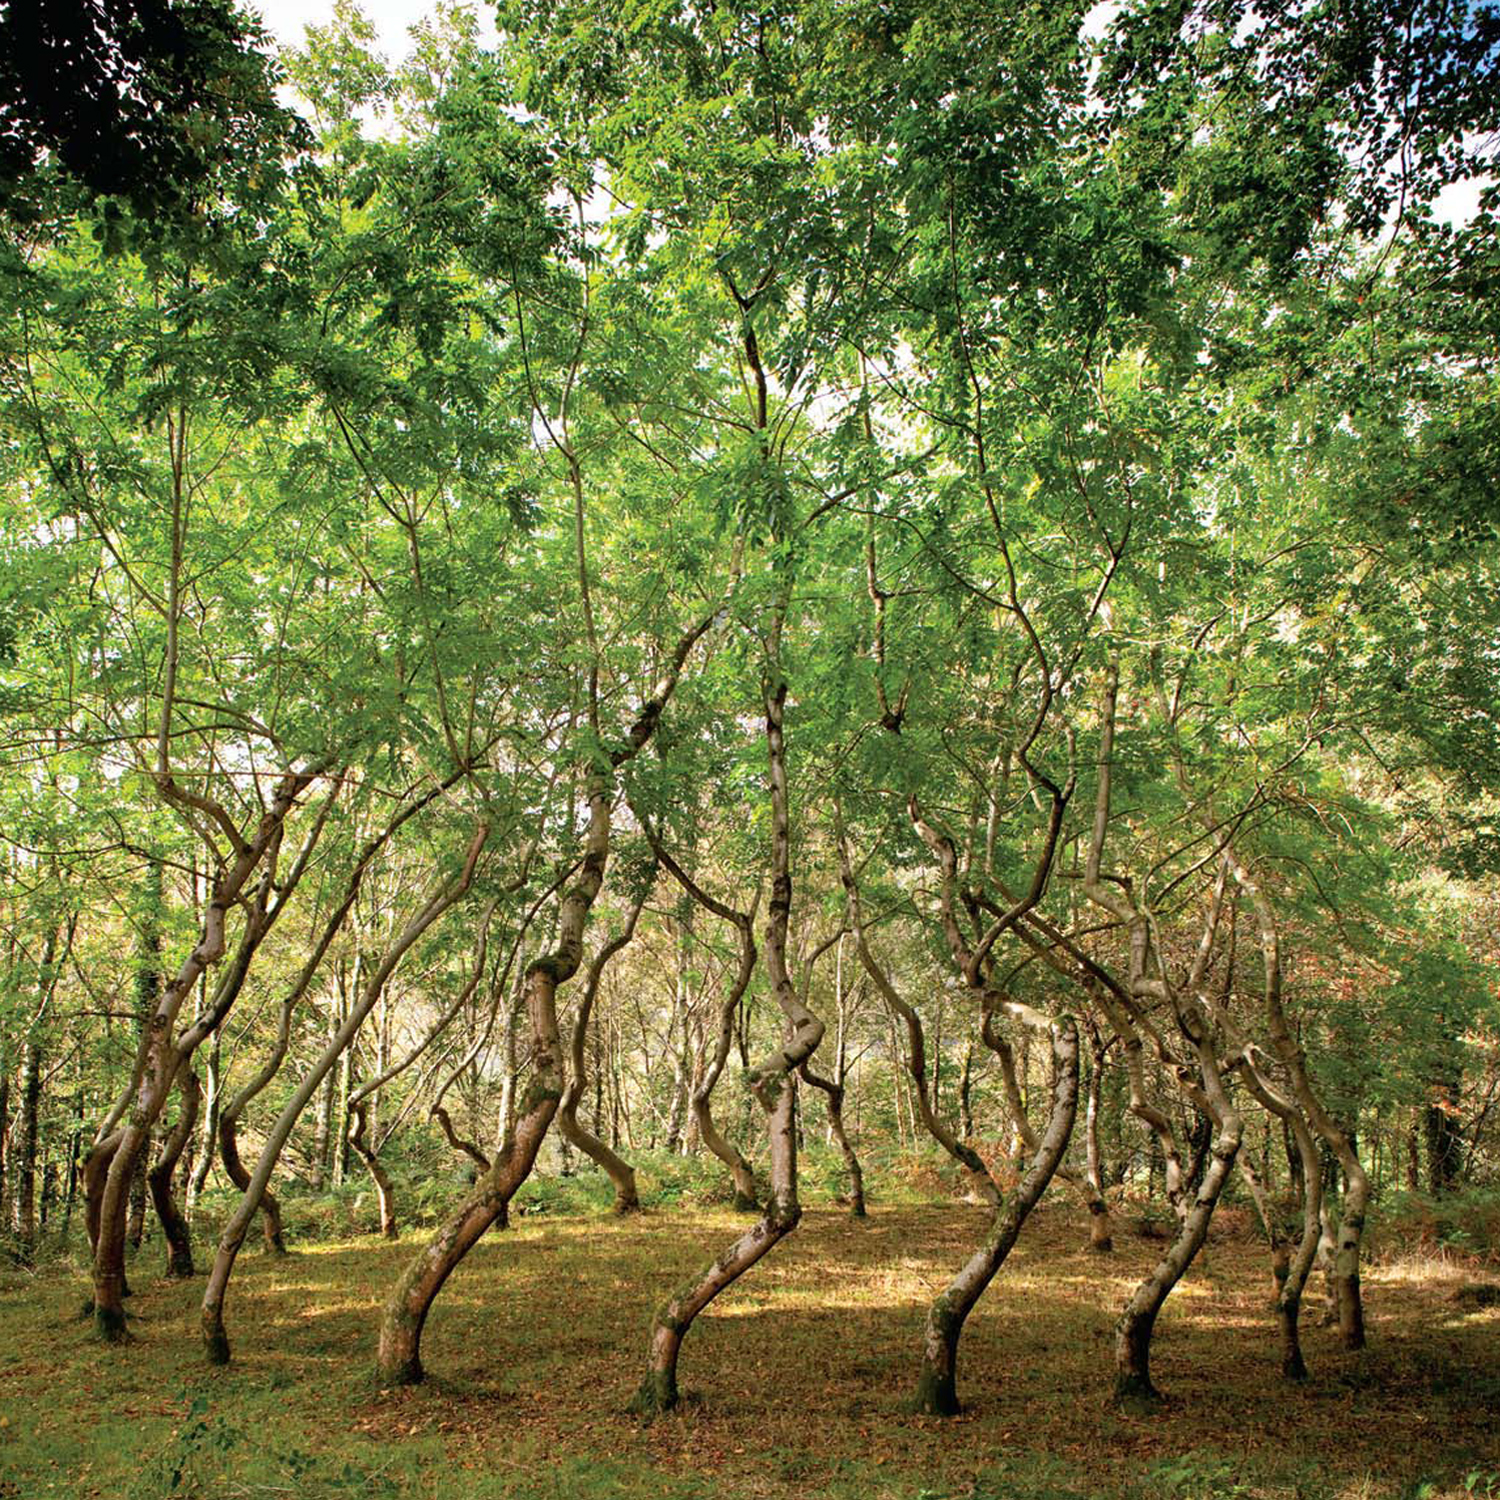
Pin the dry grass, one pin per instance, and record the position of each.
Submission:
(800, 1377)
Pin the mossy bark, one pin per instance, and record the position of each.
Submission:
(229, 1154)
(1133, 1386)
(160, 1179)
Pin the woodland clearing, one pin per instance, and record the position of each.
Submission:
(535, 1352)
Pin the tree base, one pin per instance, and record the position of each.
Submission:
(180, 1268)
(743, 1204)
(936, 1395)
(109, 1324)
(216, 1347)
(1293, 1367)
(408, 1372)
(1135, 1395)
(624, 1206)
(656, 1395)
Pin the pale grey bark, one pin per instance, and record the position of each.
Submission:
(1346, 1255)
(216, 1340)
(741, 1173)
(773, 1084)
(915, 1052)
(619, 1171)
(399, 1357)
(937, 1385)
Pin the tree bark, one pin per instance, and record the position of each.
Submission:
(773, 1085)
(741, 1173)
(229, 1121)
(1346, 1281)
(399, 1358)
(937, 1388)
(833, 1099)
(1134, 1389)
(24, 1149)
(215, 1338)
(369, 1154)
(160, 1178)
(658, 1391)
(619, 1171)
(163, 1053)
(1101, 1239)
(915, 1053)
(229, 1154)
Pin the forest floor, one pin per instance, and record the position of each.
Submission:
(798, 1378)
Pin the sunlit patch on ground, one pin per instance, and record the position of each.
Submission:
(797, 1381)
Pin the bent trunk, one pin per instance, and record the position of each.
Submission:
(229, 1154)
(773, 1084)
(399, 1356)
(369, 1153)
(1133, 1385)
(216, 1341)
(658, 1391)
(741, 1173)
(618, 1170)
(174, 1226)
(833, 1099)
(937, 1389)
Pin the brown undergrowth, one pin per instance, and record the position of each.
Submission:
(797, 1379)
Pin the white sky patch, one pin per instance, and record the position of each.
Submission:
(1098, 20)
(287, 20)
(1459, 201)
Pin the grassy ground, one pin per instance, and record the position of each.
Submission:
(799, 1376)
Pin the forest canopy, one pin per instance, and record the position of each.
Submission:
(609, 590)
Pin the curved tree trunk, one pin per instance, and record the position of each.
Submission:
(164, 1053)
(1291, 1269)
(215, 1338)
(658, 1391)
(773, 1084)
(915, 1056)
(1101, 1238)
(229, 1121)
(741, 1173)
(174, 1226)
(369, 1154)
(1346, 1283)
(1134, 1388)
(619, 1171)
(833, 1099)
(399, 1356)
(937, 1391)
(229, 1154)
(1289, 1298)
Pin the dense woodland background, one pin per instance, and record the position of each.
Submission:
(911, 582)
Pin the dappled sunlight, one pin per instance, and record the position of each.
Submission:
(535, 1347)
